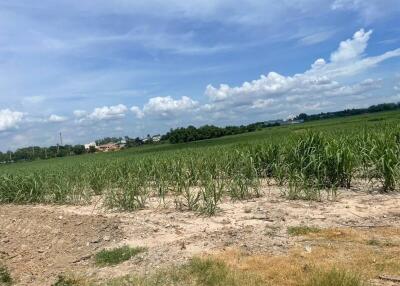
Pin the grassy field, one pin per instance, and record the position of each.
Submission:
(305, 159)
(273, 134)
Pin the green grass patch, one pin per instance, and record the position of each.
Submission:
(386, 243)
(302, 230)
(197, 272)
(117, 255)
(335, 277)
(65, 281)
(5, 276)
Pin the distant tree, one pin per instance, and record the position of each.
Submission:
(92, 149)
(301, 116)
(78, 149)
(138, 141)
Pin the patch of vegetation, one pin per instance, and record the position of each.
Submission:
(117, 255)
(335, 277)
(375, 242)
(309, 161)
(197, 272)
(5, 277)
(302, 230)
(65, 281)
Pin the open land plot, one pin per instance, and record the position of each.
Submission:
(275, 239)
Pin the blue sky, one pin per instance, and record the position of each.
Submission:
(100, 68)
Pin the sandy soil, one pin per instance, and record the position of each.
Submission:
(39, 242)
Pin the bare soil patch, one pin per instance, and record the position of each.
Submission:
(39, 242)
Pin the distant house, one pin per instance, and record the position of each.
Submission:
(156, 138)
(108, 147)
(122, 143)
(91, 144)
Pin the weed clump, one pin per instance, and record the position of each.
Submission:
(114, 256)
(65, 281)
(5, 276)
(302, 230)
(335, 277)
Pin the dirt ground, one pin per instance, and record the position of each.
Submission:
(39, 242)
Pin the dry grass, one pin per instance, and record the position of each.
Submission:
(340, 257)
(328, 249)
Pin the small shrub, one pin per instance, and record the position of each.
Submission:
(373, 242)
(335, 277)
(116, 255)
(207, 271)
(302, 230)
(5, 277)
(65, 281)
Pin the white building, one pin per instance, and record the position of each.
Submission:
(156, 138)
(87, 146)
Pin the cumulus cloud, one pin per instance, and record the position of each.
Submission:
(352, 49)
(57, 118)
(322, 81)
(9, 119)
(167, 107)
(108, 112)
(137, 111)
(316, 88)
(80, 113)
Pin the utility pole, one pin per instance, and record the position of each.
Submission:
(61, 139)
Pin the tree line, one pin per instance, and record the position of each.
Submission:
(349, 112)
(191, 133)
(36, 152)
(179, 135)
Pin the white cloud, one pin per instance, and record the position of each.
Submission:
(9, 119)
(270, 86)
(108, 112)
(356, 89)
(137, 111)
(263, 103)
(323, 80)
(168, 107)
(272, 95)
(352, 49)
(80, 113)
(57, 118)
(318, 63)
